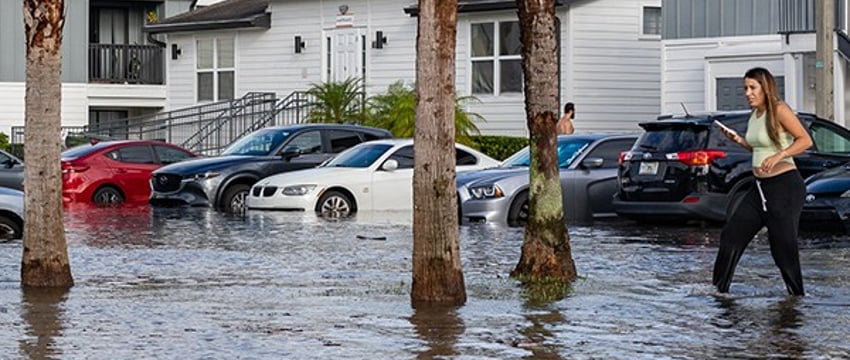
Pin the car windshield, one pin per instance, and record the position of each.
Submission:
(671, 138)
(568, 150)
(359, 156)
(259, 143)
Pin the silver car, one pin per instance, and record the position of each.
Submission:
(11, 171)
(11, 213)
(588, 165)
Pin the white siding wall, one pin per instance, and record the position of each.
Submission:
(611, 73)
(74, 105)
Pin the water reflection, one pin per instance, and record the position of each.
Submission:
(42, 311)
(439, 327)
(779, 321)
(538, 335)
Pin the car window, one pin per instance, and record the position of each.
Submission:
(309, 142)
(4, 159)
(829, 141)
(404, 156)
(609, 152)
(341, 140)
(169, 155)
(568, 150)
(464, 158)
(261, 142)
(359, 157)
(669, 138)
(717, 140)
(138, 154)
(370, 136)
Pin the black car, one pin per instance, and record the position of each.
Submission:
(827, 206)
(223, 181)
(684, 168)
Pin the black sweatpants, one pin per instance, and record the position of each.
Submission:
(774, 202)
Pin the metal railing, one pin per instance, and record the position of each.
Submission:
(122, 63)
(796, 16)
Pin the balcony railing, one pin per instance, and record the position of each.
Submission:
(796, 16)
(126, 64)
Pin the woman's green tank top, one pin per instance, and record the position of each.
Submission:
(759, 139)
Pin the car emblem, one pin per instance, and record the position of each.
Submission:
(810, 197)
(162, 179)
(647, 155)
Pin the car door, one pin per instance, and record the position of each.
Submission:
(311, 150)
(831, 147)
(393, 189)
(131, 169)
(590, 183)
(11, 172)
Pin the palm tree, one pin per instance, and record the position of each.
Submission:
(395, 111)
(336, 102)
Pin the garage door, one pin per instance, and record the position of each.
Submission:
(730, 93)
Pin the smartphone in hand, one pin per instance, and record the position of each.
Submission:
(725, 128)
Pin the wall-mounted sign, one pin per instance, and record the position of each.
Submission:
(346, 20)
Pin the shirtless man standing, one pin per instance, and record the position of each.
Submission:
(565, 124)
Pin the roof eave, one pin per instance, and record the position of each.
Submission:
(413, 10)
(260, 21)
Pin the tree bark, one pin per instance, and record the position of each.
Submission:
(437, 273)
(546, 251)
(45, 256)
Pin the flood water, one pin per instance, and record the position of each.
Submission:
(195, 284)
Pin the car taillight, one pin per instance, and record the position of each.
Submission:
(71, 167)
(624, 156)
(699, 157)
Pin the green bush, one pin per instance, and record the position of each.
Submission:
(500, 147)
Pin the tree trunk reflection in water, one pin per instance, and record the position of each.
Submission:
(42, 311)
(440, 327)
(778, 339)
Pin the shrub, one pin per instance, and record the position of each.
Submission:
(336, 102)
(500, 147)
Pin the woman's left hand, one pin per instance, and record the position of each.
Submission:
(771, 161)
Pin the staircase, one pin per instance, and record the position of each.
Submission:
(204, 129)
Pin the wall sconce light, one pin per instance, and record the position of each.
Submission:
(380, 40)
(175, 52)
(299, 44)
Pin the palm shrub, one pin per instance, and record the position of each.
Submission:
(336, 102)
(395, 111)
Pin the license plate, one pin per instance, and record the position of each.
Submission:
(648, 168)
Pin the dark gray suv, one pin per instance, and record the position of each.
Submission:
(684, 168)
(223, 181)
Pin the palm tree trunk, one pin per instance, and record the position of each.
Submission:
(45, 257)
(546, 251)
(437, 273)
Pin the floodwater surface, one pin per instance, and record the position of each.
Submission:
(196, 284)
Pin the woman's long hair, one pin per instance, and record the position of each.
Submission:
(771, 99)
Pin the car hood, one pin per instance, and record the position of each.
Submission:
(836, 180)
(489, 175)
(321, 175)
(196, 166)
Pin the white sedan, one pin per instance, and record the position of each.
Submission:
(376, 175)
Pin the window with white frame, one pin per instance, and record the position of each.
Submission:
(496, 58)
(215, 68)
(652, 20)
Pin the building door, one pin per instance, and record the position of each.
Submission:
(346, 54)
(730, 93)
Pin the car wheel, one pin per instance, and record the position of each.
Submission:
(234, 198)
(335, 204)
(107, 195)
(9, 229)
(518, 212)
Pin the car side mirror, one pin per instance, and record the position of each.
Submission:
(290, 152)
(592, 163)
(390, 165)
(9, 163)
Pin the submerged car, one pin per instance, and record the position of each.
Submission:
(223, 182)
(11, 213)
(588, 170)
(377, 175)
(827, 206)
(11, 171)
(112, 172)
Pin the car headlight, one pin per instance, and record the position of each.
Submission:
(298, 190)
(846, 194)
(485, 192)
(202, 176)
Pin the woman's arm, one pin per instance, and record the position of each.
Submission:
(793, 126)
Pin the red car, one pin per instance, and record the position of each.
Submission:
(111, 172)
